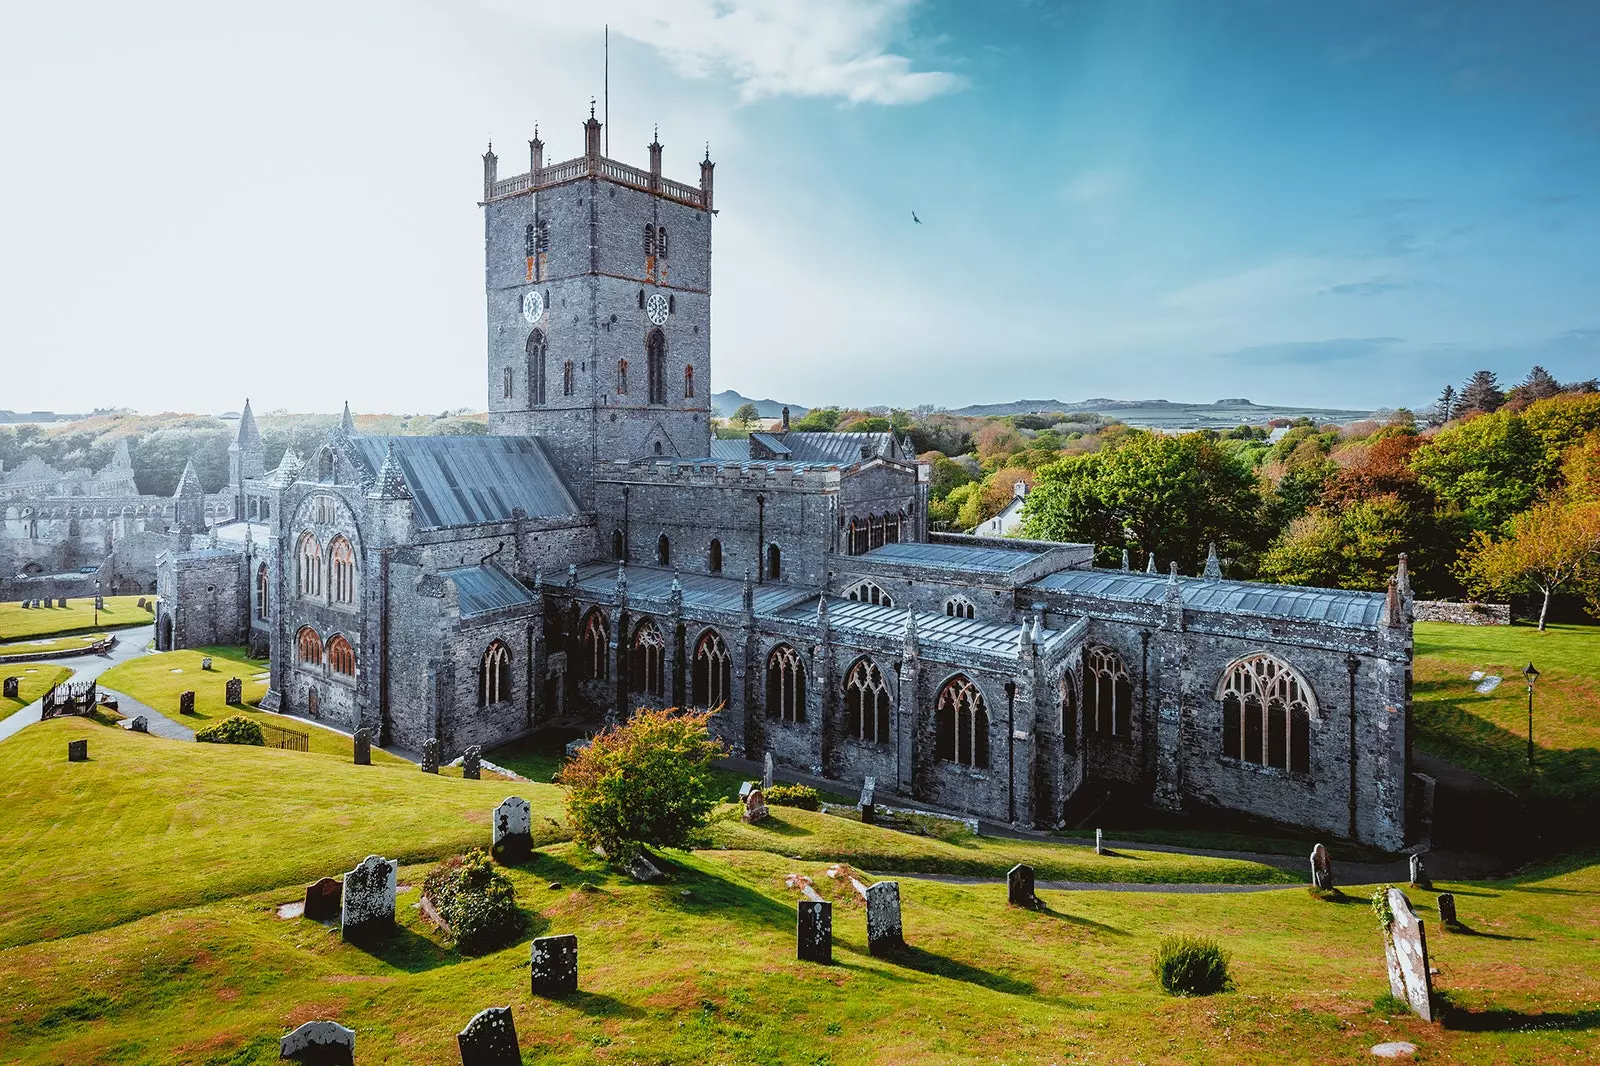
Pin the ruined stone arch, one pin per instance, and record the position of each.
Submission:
(494, 674)
(1067, 708)
(595, 662)
(1107, 693)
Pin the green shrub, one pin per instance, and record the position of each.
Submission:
(235, 730)
(803, 796)
(477, 901)
(1191, 966)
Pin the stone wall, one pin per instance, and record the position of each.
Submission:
(1464, 613)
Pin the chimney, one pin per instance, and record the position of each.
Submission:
(655, 159)
(490, 164)
(786, 419)
(706, 166)
(535, 155)
(1019, 489)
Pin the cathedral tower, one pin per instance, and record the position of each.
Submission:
(598, 277)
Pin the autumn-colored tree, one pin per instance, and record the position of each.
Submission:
(1549, 547)
(995, 441)
(1580, 470)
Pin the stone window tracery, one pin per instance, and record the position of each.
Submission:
(309, 646)
(869, 592)
(866, 703)
(961, 724)
(960, 607)
(1266, 714)
(595, 665)
(262, 593)
(342, 571)
(341, 656)
(649, 660)
(494, 675)
(713, 671)
(535, 349)
(786, 685)
(655, 347)
(308, 566)
(1107, 694)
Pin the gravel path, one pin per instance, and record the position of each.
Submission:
(85, 667)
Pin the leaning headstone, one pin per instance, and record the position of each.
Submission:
(430, 756)
(77, 751)
(472, 763)
(554, 962)
(1419, 875)
(490, 1039)
(140, 724)
(814, 931)
(884, 932)
(11, 688)
(513, 830)
(366, 906)
(1019, 886)
(1447, 908)
(233, 691)
(640, 868)
(866, 804)
(1405, 951)
(1099, 842)
(140, 604)
(320, 1044)
(1321, 869)
(323, 900)
(755, 806)
(766, 771)
(361, 746)
(186, 703)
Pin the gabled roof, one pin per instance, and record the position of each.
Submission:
(652, 583)
(482, 589)
(1295, 602)
(955, 557)
(859, 616)
(842, 448)
(461, 481)
(771, 443)
(730, 449)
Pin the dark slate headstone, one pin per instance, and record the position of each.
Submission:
(26, 605)
(1019, 886)
(884, 932)
(869, 811)
(490, 1039)
(554, 964)
(366, 905)
(363, 748)
(234, 692)
(1405, 951)
(61, 601)
(323, 900)
(814, 931)
(205, 662)
(186, 703)
(513, 830)
(1447, 908)
(1321, 869)
(11, 688)
(140, 724)
(77, 751)
(430, 756)
(141, 604)
(1419, 875)
(472, 763)
(320, 1044)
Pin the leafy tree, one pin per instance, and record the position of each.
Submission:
(946, 475)
(818, 420)
(1489, 467)
(746, 415)
(1561, 422)
(1355, 545)
(1580, 470)
(869, 424)
(1444, 408)
(1538, 385)
(1552, 546)
(1481, 393)
(995, 441)
(645, 783)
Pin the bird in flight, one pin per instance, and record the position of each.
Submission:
(915, 219)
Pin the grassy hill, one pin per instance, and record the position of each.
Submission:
(77, 617)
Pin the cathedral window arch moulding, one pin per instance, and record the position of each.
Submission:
(263, 592)
(308, 646)
(1267, 708)
(1107, 694)
(786, 685)
(649, 659)
(341, 656)
(869, 592)
(341, 571)
(961, 724)
(308, 566)
(535, 350)
(494, 675)
(713, 671)
(960, 607)
(595, 664)
(866, 703)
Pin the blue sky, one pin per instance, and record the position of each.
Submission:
(1323, 204)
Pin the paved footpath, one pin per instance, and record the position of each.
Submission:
(85, 667)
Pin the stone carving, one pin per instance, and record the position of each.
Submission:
(490, 1039)
(140, 724)
(766, 771)
(472, 764)
(362, 748)
(755, 806)
(866, 805)
(323, 900)
(205, 662)
(320, 1043)
(234, 692)
(366, 906)
(77, 751)
(430, 756)
(186, 703)
(883, 917)
(1405, 950)
(1447, 908)
(554, 962)
(814, 931)
(1321, 869)
(513, 830)
(11, 688)
(1419, 875)
(1019, 886)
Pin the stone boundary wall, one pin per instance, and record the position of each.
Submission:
(1463, 614)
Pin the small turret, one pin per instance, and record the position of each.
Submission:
(347, 423)
(1213, 571)
(1150, 563)
(591, 139)
(1394, 616)
(391, 481)
(912, 648)
(1125, 566)
(491, 164)
(189, 501)
(654, 148)
(535, 154)
(822, 616)
(786, 418)
(706, 167)
(121, 460)
(1402, 576)
(749, 594)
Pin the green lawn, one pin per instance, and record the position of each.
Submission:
(158, 867)
(35, 645)
(77, 617)
(37, 679)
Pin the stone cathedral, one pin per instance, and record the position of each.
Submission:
(599, 551)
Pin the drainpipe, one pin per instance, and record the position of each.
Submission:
(1011, 752)
(383, 646)
(1352, 663)
(761, 539)
(627, 534)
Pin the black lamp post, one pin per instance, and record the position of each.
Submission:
(1532, 675)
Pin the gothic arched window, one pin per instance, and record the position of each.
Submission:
(961, 724)
(688, 382)
(1069, 710)
(959, 607)
(309, 646)
(774, 562)
(494, 674)
(663, 550)
(308, 566)
(567, 385)
(868, 592)
(595, 664)
(341, 656)
(713, 671)
(661, 242)
(714, 557)
(618, 544)
(786, 685)
(655, 347)
(649, 660)
(866, 703)
(342, 571)
(622, 377)
(1107, 694)
(1266, 714)
(649, 241)
(262, 586)
(535, 350)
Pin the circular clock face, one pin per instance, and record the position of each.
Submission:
(656, 309)
(532, 306)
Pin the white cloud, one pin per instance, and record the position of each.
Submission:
(823, 48)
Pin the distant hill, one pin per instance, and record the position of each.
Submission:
(1166, 414)
(723, 404)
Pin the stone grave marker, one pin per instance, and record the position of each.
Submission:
(1321, 869)
(186, 703)
(490, 1039)
(640, 868)
(205, 662)
(814, 929)
(26, 605)
(1099, 842)
(1447, 908)
(234, 692)
(61, 601)
(513, 830)
(755, 806)
(99, 603)
(1419, 875)
(430, 756)
(362, 748)
(140, 604)
(11, 688)
(323, 900)
(766, 771)
(866, 804)
(366, 904)
(77, 751)
(140, 724)
(1405, 951)
(884, 932)
(1019, 886)
(472, 763)
(554, 962)
(320, 1043)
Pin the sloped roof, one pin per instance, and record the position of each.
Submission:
(773, 444)
(730, 449)
(842, 448)
(961, 557)
(459, 481)
(599, 580)
(1295, 602)
(874, 619)
(482, 589)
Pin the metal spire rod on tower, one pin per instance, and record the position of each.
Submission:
(607, 87)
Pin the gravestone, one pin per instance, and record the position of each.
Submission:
(1419, 875)
(140, 724)
(61, 601)
(77, 751)
(1019, 886)
(11, 688)
(640, 868)
(883, 917)
(490, 1039)
(1405, 951)
(320, 1044)
(323, 900)
(362, 745)
(141, 604)
(554, 962)
(766, 771)
(1321, 869)
(1447, 908)
(99, 603)
(26, 605)
(186, 703)
(366, 905)
(472, 763)
(205, 662)
(1099, 842)
(755, 806)
(866, 804)
(513, 830)
(234, 692)
(430, 756)
(814, 931)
